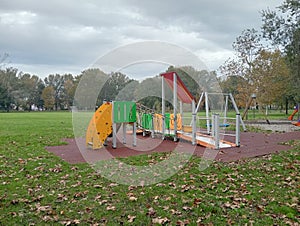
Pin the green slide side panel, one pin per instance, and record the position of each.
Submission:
(147, 121)
(124, 111)
(167, 120)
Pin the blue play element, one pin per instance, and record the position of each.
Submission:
(221, 125)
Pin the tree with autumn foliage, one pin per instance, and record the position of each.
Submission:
(48, 96)
(247, 47)
(282, 28)
(270, 76)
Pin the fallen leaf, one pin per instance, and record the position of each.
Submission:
(175, 212)
(132, 198)
(160, 220)
(131, 218)
(196, 202)
(103, 201)
(183, 223)
(151, 212)
(186, 208)
(111, 208)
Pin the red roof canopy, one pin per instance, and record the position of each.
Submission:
(183, 93)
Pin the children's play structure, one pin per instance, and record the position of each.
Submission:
(209, 130)
(293, 114)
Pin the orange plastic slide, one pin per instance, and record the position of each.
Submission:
(292, 116)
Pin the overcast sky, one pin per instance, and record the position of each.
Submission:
(67, 36)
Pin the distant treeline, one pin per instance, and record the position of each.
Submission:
(24, 92)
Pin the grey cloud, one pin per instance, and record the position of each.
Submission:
(77, 32)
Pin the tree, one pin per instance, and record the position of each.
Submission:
(197, 81)
(128, 92)
(5, 98)
(270, 76)
(282, 28)
(148, 92)
(113, 86)
(247, 48)
(237, 86)
(57, 83)
(69, 91)
(189, 76)
(9, 86)
(89, 84)
(30, 90)
(48, 96)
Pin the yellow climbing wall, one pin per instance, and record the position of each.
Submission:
(100, 126)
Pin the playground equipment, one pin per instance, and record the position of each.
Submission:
(212, 137)
(293, 114)
(104, 123)
(228, 97)
(105, 119)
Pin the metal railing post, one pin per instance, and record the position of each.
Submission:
(163, 107)
(217, 131)
(193, 123)
(237, 130)
(114, 144)
(134, 134)
(124, 133)
(175, 104)
(207, 113)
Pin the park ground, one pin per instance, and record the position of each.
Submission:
(39, 188)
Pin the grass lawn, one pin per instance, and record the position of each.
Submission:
(38, 188)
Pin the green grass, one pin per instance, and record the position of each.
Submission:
(38, 188)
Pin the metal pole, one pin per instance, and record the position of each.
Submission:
(207, 113)
(213, 124)
(237, 111)
(114, 144)
(163, 106)
(199, 102)
(105, 142)
(181, 114)
(198, 106)
(216, 126)
(175, 104)
(114, 128)
(134, 134)
(237, 130)
(152, 130)
(124, 133)
(226, 109)
(193, 123)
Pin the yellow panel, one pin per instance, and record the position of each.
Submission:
(179, 121)
(100, 126)
(157, 121)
